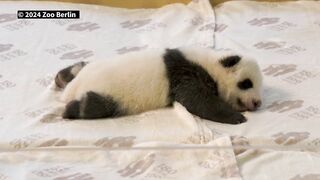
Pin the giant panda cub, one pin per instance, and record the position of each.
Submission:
(214, 85)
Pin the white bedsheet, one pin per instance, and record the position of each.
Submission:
(36, 143)
(285, 39)
(281, 141)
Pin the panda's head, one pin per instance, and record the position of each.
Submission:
(240, 82)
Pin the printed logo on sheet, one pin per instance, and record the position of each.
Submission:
(125, 50)
(83, 26)
(7, 17)
(8, 52)
(70, 52)
(115, 142)
(11, 23)
(137, 167)
(282, 106)
(271, 23)
(290, 138)
(290, 74)
(281, 47)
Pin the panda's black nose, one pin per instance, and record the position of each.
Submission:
(256, 103)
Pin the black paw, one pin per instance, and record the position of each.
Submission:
(72, 110)
(236, 118)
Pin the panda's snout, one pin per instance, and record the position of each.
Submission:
(249, 105)
(254, 105)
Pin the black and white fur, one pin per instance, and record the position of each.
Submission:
(214, 85)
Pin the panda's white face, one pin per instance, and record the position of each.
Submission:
(240, 84)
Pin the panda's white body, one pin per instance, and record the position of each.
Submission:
(139, 81)
(136, 80)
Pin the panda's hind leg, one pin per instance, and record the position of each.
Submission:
(92, 106)
(64, 76)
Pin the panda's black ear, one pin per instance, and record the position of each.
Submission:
(230, 61)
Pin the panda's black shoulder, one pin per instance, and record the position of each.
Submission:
(181, 71)
(173, 57)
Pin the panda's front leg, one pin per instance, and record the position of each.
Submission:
(200, 101)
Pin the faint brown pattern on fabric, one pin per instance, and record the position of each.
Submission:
(62, 22)
(222, 161)
(14, 26)
(135, 24)
(266, 45)
(230, 171)
(306, 177)
(279, 47)
(138, 167)
(151, 27)
(80, 54)
(284, 106)
(314, 142)
(45, 81)
(224, 49)
(263, 21)
(121, 141)
(306, 113)
(207, 27)
(53, 116)
(7, 17)
(26, 141)
(214, 160)
(54, 142)
(3, 177)
(131, 49)
(50, 118)
(50, 172)
(240, 144)
(161, 171)
(220, 27)
(36, 112)
(6, 84)
(5, 47)
(279, 69)
(12, 54)
(290, 137)
(83, 26)
(193, 139)
(76, 176)
(282, 26)
(291, 50)
(196, 21)
(300, 77)
(61, 48)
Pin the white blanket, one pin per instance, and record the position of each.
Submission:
(280, 141)
(36, 143)
(285, 39)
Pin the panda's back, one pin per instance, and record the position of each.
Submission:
(136, 81)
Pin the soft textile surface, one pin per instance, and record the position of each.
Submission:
(285, 39)
(281, 141)
(36, 143)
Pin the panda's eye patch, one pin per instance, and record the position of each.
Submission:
(245, 84)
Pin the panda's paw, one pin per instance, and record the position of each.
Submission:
(236, 118)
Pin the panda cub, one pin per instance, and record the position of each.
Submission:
(214, 85)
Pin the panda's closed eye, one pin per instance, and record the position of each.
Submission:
(245, 84)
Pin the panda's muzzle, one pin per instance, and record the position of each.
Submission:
(250, 106)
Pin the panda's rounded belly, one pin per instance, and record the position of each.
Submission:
(135, 88)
